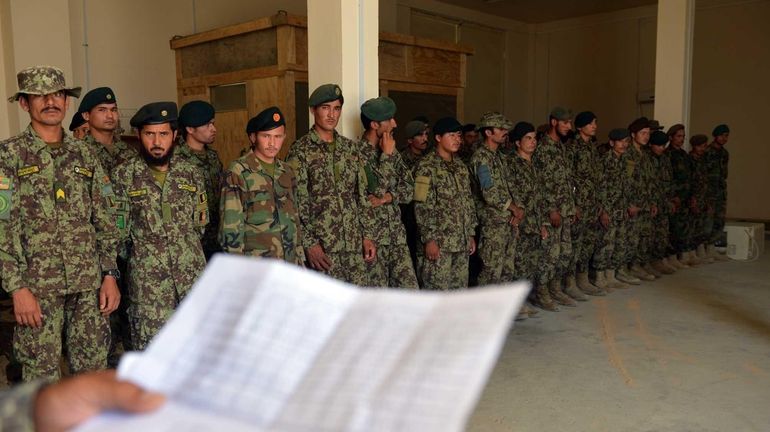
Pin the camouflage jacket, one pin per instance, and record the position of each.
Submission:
(699, 181)
(681, 171)
(331, 192)
(388, 174)
(613, 192)
(410, 159)
(17, 407)
(211, 169)
(641, 176)
(56, 232)
(491, 180)
(663, 184)
(258, 214)
(162, 227)
(110, 158)
(444, 206)
(552, 161)
(586, 176)
(529, 187)
(717, 160)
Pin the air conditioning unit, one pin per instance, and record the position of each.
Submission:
(745, 240)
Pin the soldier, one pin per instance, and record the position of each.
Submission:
(259, 216)
(79, 126)
(552, 162)
(701, 209)
(99, 108)
(532, 257)
(166, 210)
(337, 225)
(197, 134)
(665, 200)
(389, 184)
(57, 240)
(416, 132)
(681, 171)
(470, 141)
(445, 212)
(717, 160)
(585, 178)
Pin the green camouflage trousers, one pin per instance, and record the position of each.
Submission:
(71, 320)
(699, 228)
(392, 268)
(349, 267)
(643, 227)
(560, 248)
(497, 250)
(532, 261)
(146, 318)
(605, 257)
(584, 241)
(659, 242)
(718, 224)
(679, 230)
(449, 271)
(626, 241)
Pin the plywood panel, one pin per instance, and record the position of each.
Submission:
(239, 52)
(231, 135)
(394, 61)
(437, 67)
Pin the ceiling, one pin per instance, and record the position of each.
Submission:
(539, 11)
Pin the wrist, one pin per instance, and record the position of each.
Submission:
(115, 273)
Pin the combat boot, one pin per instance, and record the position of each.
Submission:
(668, 265)
(661, 268)
(624, 276)
(691, 259)
(585, 285)
(673, 260)
(601, 283)
(700, 252)
(711, 252)
(554, 287)
(572, 290)
(637, 271)
(612, 282)
(648, 268)
(543, 300)
(531, 310)
(523, 314)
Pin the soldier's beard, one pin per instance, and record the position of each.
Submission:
(153, 160)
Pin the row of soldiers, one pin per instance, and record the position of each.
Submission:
(88, 227)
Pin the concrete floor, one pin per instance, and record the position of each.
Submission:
(689, 352)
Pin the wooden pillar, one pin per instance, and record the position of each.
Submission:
(673, 61)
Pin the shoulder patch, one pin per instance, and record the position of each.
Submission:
(5, 183)
(421, 187)
(484, 176)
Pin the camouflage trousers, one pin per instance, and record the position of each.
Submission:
(146, 317)
(71, 321)
(349, 267)
(626, 241)
(560, 250)
(449, 271)
(678, 229)
(699, 228)
(584, 241)
(660, 246)
(718, 223)
(608, 253)
(392, 268)
(532, 260)
(643, 233)
(497, 250)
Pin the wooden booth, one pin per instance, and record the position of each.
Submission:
(245, 68)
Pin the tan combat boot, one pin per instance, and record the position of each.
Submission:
(585, 285)
(637, 271)
(700, 252)
(572, 290)
(554, 287)
(543, 300)
(531, 309)
(692, 260)
(648, 268)
(612, 282)
(661, 267)
(678, 264)
(711, 252)
(669, 265)
(601, 282)
(624, 276)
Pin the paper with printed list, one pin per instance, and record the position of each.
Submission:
(260, 345)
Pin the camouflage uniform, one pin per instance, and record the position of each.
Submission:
(163, 227)
(113, 156)
(717, 160)
(586, 178)
(410, 159)
(639, 229)
(331, 198)
(699, 230)
(17, 407)
(612, 195)
(497, 246)
(681, 165)
(211, 168)
(258, 214)
(388, 174)
(445, 214)
(56, 237)
(663, 193)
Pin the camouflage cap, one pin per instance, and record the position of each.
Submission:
(325, 93)
(414, 128)
(655, 125)
(560, 113)
(379, 109)
(266, 120)
(42, 80)
(658, 138)
(155, 113)
(493, 119)
(99, 95)
(195, 113)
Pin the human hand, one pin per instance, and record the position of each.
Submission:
(432, 251)
(555, 218)
(472, 246)
(26, 308)
(604, 219)
(370, 250)
(109, 296)
(387, 143)
(318, 259)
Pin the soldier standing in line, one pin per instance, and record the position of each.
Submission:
(533, 261)
(416, 132)
(681, 166)
(79, 126)
(586, 177)
(445, 211)
(700, 208)
(57, 239)
(167, 211)
(717, 160)
(258, 211)
(337, 223)
(470, 141)
(99, 108)
(389, 184)
(553, 163)
(666, 202)
(197, 133)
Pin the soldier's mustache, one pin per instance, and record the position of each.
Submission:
(51, 109)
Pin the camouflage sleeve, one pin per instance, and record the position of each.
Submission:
(17, 407)
(602, 196)
(583, 174)
(490, 183)
(299, 251)
(425, 204)
(231, 217)
(366, 216)
(201, 205)
(13, 264)
(296, 160)
(544, 161)
(402, 180)
(103, 217)
(469, 206)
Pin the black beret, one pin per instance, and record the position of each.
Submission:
(584, 118)
(195, 113)
(521, 129)
(639, 124)
(699, 139)
(77, 121)
(447, 125)
(268, 119)
(659, 138)
(99, 95)
(618, 134)
(470, 127)
(719, 130)
(655, 125)
(325, 93)
(379, 109)
(155, 113)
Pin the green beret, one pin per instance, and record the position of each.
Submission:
(639, 124)
(195, 113)
(447, 125)
(521, 129)
(268, 119)
(414, 128)
(77, 121)
(719, 130)
(655, 125)
(659, 138)
(699, 139)
(325, 93)
(584, 119)
(100, 95)
(618, 134)
(379, 109)
(155, 113)
(494, 120)
(560, 113)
